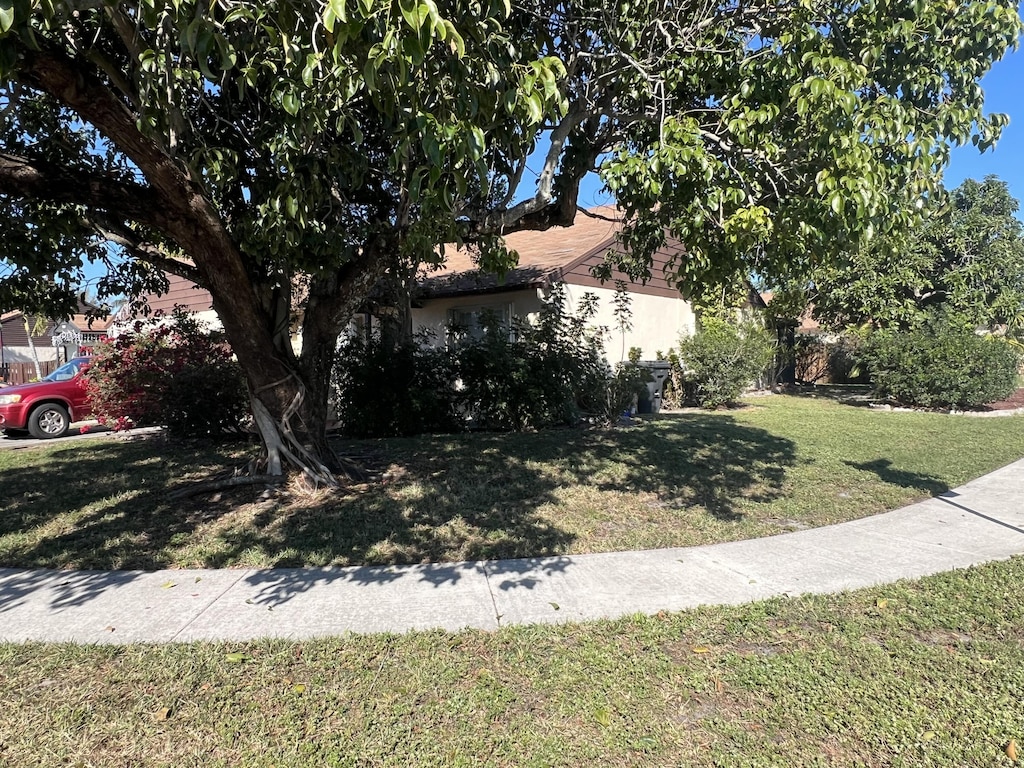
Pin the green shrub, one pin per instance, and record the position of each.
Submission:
(527, 376)
(724, 358)
(941, 364)
(387, 390)
(169, 372)
(533, 376)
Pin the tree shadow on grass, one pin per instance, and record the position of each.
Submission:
(887, 473)
(442, 499)
(693, 460)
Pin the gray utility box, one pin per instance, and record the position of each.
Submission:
(659, 370)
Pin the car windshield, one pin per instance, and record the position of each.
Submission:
(67, 371)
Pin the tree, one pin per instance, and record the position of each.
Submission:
(967, 259)
(288, 156)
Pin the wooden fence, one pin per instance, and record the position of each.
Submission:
(22, 373)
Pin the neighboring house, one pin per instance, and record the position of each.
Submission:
(460, 293)
(15, 344)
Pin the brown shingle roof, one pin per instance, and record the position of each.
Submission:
(543, 257)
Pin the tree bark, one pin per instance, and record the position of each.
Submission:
(288, 394)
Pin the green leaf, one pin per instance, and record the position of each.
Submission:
(477, 143)
(239, 13)
(6, 15)
(414, 13)
(837, 203)
(432, 149)
(235, 658)
(535, 108)
(291, 103)
(455, 41)
(337, 7)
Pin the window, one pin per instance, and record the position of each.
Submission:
(472, 321)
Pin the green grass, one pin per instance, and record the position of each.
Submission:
(922, 673)
(781, 463)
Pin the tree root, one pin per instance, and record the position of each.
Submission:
(236, 481)
(282, 446)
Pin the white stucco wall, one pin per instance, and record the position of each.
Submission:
(433, 316)
(24, 354)
(657, 321)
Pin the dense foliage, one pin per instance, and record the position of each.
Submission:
(169, 372)
(382, 389)
(287, 155)
(724, 358)
(533, 375)
(966, 259)
(941, 364)
(495, 376)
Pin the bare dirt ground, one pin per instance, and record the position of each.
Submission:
(1014, 401)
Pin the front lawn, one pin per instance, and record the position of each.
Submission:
(915, 674)
(779, 464)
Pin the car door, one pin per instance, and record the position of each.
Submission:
(74, 392)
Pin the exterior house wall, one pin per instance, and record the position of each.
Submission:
(657, 320)
(180, 292)
(433, 316)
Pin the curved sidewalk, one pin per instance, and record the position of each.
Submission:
(978, 522)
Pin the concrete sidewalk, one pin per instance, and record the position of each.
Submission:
(979, 522)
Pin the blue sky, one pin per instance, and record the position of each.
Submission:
(1004, 92)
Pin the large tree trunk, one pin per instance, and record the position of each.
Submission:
(288, 392)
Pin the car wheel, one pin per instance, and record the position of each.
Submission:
(49, 420)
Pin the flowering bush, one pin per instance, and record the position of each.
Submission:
(167, 371)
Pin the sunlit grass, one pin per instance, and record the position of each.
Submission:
(779, 464)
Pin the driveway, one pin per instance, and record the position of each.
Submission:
(93, 429)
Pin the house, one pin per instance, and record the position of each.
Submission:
(459, 293)
(28, 340)
(183, 293)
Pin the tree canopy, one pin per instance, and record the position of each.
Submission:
(289, 155)
(966, 260)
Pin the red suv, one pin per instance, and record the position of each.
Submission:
(47, 408)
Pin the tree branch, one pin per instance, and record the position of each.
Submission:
(25, 178)
(151, 253)
(86, 95)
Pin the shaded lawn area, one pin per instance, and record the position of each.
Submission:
(922, 673)
(779, 464)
